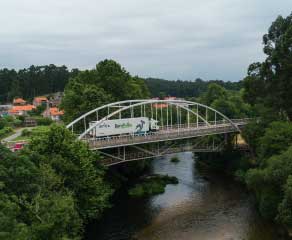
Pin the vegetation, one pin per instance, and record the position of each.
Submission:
(174, 159)
(53, 186)
(230, 103)
(7, 124)
(152, 185)
(27, 133)
(49, 189)
(5, 132)
(93, 88)
(270, 82)
(39, 80)
(268, 89)
(184, 89)
(33, 81)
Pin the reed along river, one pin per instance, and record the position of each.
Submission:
(203, 206)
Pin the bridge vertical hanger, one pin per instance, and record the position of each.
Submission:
(120, 114)
(84, 120)
(180, 117)
(215, 118)
(156, 111)
(188, 118)
(141, 110)
(206, 118)
(177, 118)
(197, 116)
(171, 116)
(167, 116)
(161, 113)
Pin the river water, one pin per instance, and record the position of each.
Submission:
(202, 206)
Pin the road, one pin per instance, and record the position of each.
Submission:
(17, 133)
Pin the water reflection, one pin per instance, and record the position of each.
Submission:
(202, 206)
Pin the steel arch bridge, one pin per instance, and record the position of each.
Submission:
(178, 120)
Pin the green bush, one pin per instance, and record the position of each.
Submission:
(5, 131)
(41, 121)
(25, 133)
(174, 159)
(152, 185)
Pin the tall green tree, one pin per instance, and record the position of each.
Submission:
(49, 189)
(93, 88)
(271, 81)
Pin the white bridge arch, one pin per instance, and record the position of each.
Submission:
(122, 106)
(178, 119)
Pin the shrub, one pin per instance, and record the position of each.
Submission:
(152, 185)
(175, 159)
(43, 121)
(5, 131)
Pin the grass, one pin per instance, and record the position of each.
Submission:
(27, 134)
(6, 132)
(152, 185)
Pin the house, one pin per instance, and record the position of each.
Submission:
(19, 102)
(4, 109)
(21, 110)
(54, 113)
(164, 105)
(56, 99)
(40, 101)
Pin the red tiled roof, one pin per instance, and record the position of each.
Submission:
(16, 109)
(40, 99)
(55, 111)
(18, 101)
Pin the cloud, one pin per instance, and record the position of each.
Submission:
(168, 39)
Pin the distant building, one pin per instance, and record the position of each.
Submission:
(54, 113)
(56, 99)
(29, 122)
(40, 101)
(21, 110)
(19, 102)
(164, 105)
(4, 109)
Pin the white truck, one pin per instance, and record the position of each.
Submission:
(128, 126)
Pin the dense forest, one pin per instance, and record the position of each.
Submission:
(33, 81)
(183, 89)
(41, 80)
(268, 88)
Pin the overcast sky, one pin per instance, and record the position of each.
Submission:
(171, 39)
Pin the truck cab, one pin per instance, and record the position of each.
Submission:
(154, 125)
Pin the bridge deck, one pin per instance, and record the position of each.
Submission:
(165, 134)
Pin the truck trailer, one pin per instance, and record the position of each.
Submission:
(128, 126)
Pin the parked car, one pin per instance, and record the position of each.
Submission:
(18, 146)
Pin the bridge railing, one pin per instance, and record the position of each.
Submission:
(114, 141)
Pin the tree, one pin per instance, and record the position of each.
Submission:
(271, 80)
(277, 138)
(81, 98)
(91, 89)
(50, 188)
(285, 208)
(214, 92)
(76, 165)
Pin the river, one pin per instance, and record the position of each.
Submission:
(203, 206)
